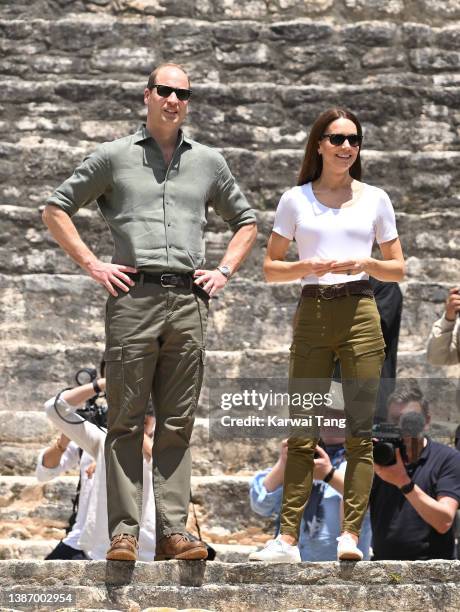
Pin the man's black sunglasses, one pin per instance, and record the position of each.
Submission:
(165, 91)
(354, 140)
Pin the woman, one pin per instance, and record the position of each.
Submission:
(335, 219)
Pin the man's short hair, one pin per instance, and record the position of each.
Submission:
(153, 75)
(410, 393)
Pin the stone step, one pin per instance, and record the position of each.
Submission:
(425, 236)
(263, 175)
(412, 107)
(247, 314)
(34, 510)
(419, 11)
(121, 46)
(26, 433)
(13, 548)
(218, 586)
(33, 373)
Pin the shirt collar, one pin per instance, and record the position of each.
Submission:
(143, 134)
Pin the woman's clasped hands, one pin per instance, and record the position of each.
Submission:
(319, 267)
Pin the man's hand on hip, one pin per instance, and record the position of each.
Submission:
(109, 274)
(211, 281)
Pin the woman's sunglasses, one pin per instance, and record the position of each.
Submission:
(354, 140)
(165, 91)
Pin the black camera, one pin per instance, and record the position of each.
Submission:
(95, 410)
(387, 438)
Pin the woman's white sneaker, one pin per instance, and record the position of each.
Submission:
(277, 551)
(347, 549)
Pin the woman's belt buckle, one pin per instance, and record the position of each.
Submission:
(329, 292)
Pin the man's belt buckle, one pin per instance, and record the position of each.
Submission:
(165, 280)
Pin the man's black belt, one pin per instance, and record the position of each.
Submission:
(329, 292)
(170, 280)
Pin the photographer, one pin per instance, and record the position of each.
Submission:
(61, 456)
(443, 346)
(414, 499)
(90, 437)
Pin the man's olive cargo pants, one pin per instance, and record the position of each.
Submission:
(155, 345)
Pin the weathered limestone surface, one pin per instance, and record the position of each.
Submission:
(29, 509)
(244, 587)
(32, 307)
(73, 72)
(24, 436)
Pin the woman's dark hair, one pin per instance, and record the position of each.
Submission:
(312, 164)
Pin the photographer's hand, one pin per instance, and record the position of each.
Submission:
(91, 469)
(393, 474)
(52, 455)
(439, 513)
(453, 304)
(322, 465)
(147, 447)
(275, 477)
(78, 395)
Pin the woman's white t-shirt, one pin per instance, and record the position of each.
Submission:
(335, 233)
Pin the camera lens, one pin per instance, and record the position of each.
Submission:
(384, 453)
(85, 376)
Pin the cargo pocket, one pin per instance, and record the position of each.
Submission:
(360, 390)
(198, 379)
(299, 359)
(129, 379)
(113, 358)
(368, 357)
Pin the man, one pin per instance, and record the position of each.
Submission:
(413, 502)
(444, 342)
(153, 188)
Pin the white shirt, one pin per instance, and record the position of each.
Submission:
(94, 539)
(70, 459)
(335, 233)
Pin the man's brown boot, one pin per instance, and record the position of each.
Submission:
(123, 547)
(180, 546)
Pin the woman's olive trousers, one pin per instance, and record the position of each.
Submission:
(347, 327)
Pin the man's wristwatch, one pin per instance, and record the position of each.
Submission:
(225, 270)
(407, 488)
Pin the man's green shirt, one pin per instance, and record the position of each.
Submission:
(157, 214)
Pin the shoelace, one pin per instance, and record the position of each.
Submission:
(124, 536)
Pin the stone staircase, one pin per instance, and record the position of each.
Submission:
(73, 73)
(216, 586)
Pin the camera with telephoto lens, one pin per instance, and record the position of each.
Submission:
(386, 439)
(95, 410)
